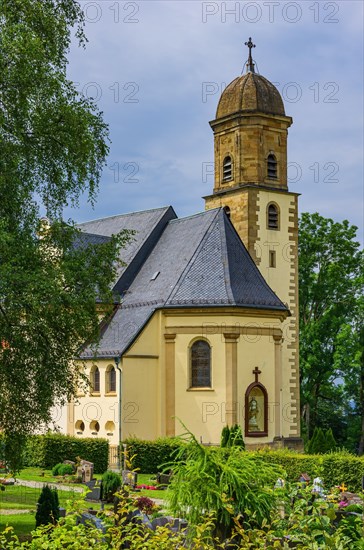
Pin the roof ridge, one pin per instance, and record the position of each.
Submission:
(224, 243)
(165, 208)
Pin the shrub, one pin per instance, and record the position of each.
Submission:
(111, 483)
(225, 436)
(209, 481)
(150, 456)
(47, 450)
(47, 507)
(55, 469)
(65, 470)
(236, 437)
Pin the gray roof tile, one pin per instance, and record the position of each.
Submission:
(196, 261)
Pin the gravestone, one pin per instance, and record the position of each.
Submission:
(129, 478)
(88, 473)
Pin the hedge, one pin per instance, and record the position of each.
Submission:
(334, 468)
(149, 456)
(45, 451)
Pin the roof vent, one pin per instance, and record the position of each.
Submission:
(155, 276)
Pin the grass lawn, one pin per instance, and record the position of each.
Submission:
(22, 524)
(147, 479)
(17, 497)
(35, 474)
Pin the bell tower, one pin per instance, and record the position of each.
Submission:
(250, 182)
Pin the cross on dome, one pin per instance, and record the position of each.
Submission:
(250, 64)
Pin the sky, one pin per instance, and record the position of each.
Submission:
(157, 69)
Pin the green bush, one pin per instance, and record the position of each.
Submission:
(55, 469)
(47, 507)
(225, 435)
(149, 456)
(45, 451)
(333, 468)
(111, 483)
(342, 467)
(61, 469)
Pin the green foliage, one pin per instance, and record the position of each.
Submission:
(321, 442)
(61, 469)
(236, 437)
(48, 450)
(111, 483)
(47, 507)
(330, 443)
(308, 524)
(331, 312)
(53, 144)
(208, 480)
(334, 468)
(342, 467)
(225, 436)
(150, 456)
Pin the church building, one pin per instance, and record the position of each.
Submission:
(206, 329)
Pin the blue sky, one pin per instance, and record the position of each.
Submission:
(157, 69)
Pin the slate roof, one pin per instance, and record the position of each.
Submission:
(198, 261)
(147, 227)
(85, 239)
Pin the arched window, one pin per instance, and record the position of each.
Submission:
(110, 382)
(227, 169)
(227, 211)
(272, 216)
(95, 379)
(272, 167)
(256, 410)
(200, 364)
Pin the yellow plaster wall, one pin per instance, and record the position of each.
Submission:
(204, 412)
(102, 406)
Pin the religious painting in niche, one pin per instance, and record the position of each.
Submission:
(256, 411)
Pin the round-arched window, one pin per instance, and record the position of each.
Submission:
(200, 367)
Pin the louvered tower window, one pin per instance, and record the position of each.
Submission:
(273, 217)
(272, 167)
(227, 169)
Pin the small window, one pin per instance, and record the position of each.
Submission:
(109, 427)
(110, 382)
(94, 427)
(272, 258)
(80, 427)
(273, 217)
(95, 380)
(227, 169)
(227, 211)
(200, 365)
(272, 167)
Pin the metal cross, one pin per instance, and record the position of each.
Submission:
(250, 59)
(257, 372)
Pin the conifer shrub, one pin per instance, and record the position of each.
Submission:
(111, 483)
(225, 436)
(47, 507)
